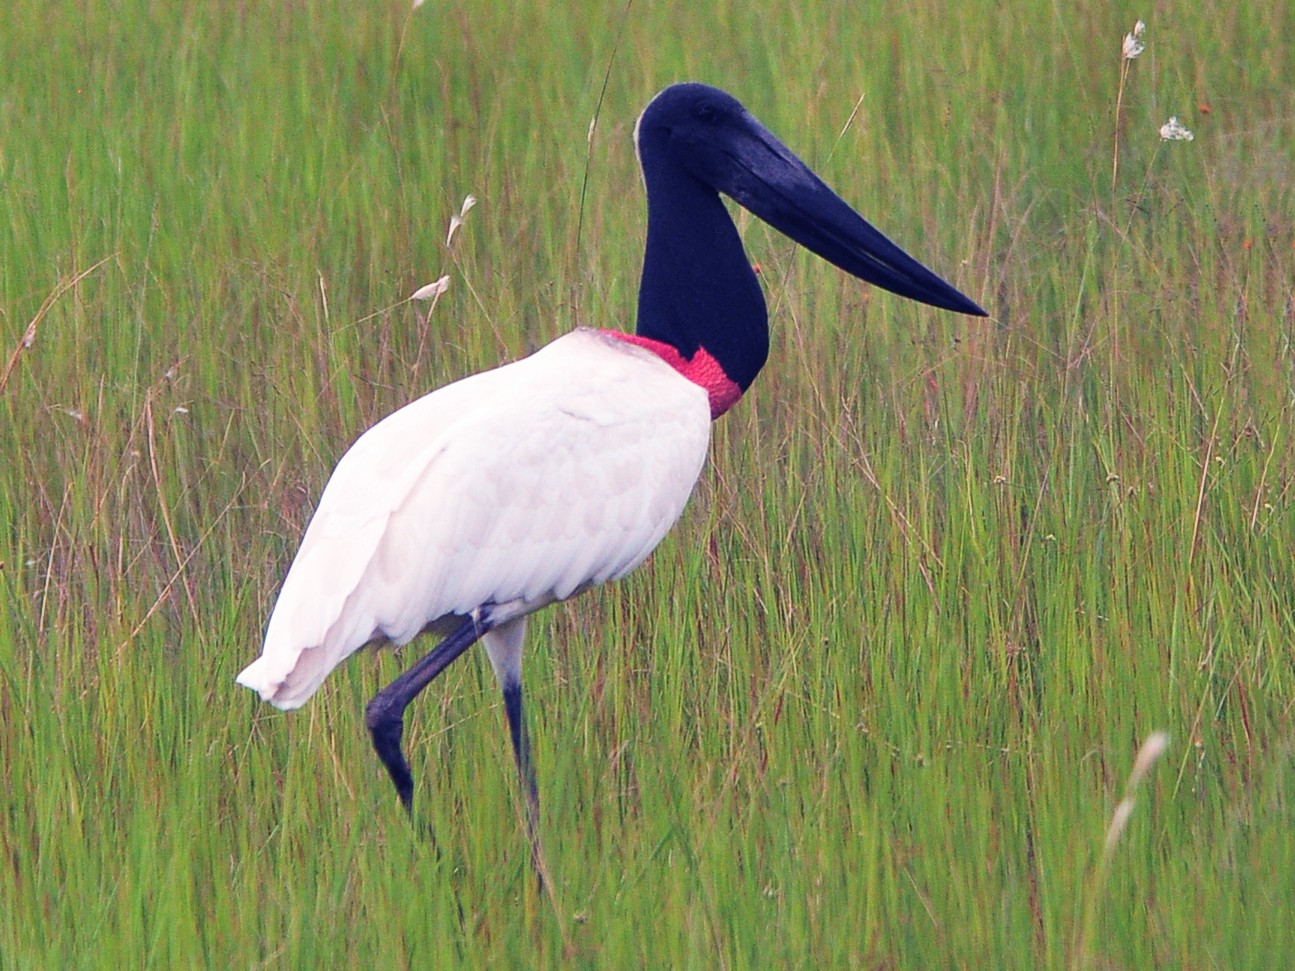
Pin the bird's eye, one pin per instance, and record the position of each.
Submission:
(707, 113)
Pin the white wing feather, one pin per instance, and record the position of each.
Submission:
(512, 489)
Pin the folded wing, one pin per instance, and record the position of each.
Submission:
(507, 491)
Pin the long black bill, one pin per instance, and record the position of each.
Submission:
(770, 181)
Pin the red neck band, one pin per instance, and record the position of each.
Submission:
(703, 370)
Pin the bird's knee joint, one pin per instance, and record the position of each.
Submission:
(379, 715)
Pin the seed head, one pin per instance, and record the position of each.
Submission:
(431, 291)
(1133, 45)
(457, 220)
(1148, 755)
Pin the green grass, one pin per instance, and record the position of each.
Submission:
(871, 704)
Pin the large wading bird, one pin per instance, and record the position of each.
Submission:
(473, 507)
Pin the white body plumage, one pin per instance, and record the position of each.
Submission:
(508, 490)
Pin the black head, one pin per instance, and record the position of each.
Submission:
(700, 133)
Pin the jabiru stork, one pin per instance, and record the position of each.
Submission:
(471, 508)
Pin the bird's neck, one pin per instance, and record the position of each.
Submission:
(699, 294)
(701, 369)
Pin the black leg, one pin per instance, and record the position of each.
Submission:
(522, 753)
(525, 769)
(385, 714)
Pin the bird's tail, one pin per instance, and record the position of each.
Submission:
(286, 689)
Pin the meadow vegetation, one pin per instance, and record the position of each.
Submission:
(875, 700)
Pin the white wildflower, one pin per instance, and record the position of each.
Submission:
(1174, 131)
(1133, 45)
(431, 291)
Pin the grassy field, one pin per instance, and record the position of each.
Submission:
(872, 704)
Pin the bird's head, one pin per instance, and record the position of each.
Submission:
(701, 133)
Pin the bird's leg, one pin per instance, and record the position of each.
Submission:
(504, 646)
(385, 714)
(525, 767)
